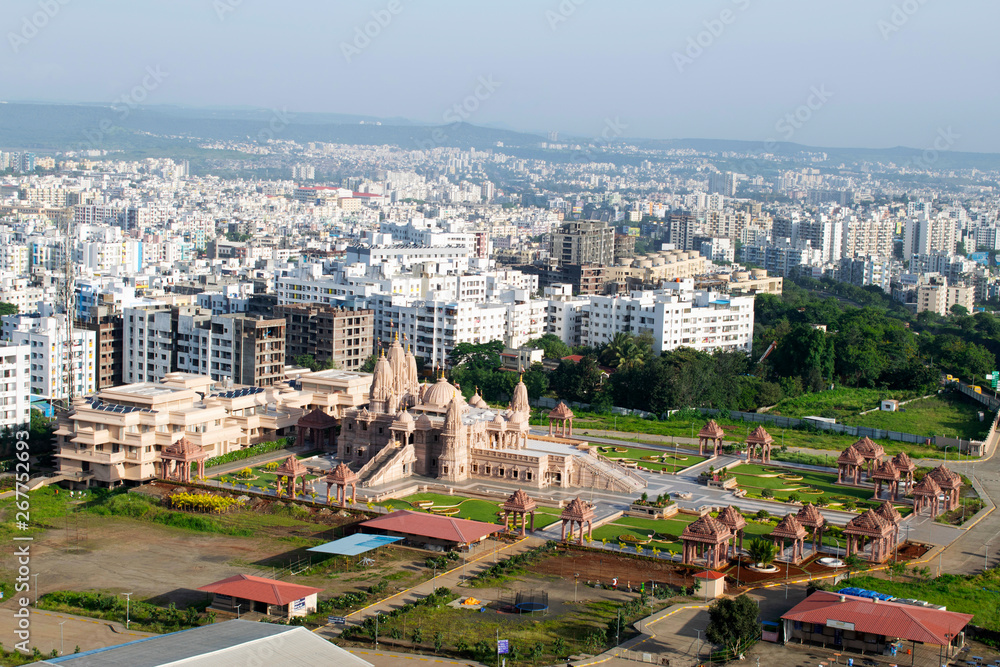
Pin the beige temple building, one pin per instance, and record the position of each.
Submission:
(429, 430)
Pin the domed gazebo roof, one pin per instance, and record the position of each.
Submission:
(869, 448)
(903, 463)
(291, 467)
(886, 471)
(760, 436)
(810, 516)
(851, 456)
(561, 411)
(927, 487)
(868, 524)
(519, 501)
(789, 528)
(706, 529)
(577, 510)
(341, 475)
(184, 450)
(711, 430)
(889, 513)
(946, 479)
(732, 518)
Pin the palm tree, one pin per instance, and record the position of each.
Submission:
(761, 552)
(623, 352)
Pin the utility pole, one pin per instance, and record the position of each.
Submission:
(128, 600)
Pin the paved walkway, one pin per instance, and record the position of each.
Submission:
(392, 659)
(482, 557)
(47, 633)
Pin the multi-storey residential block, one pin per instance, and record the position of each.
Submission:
(334, 335)
(15, 385)
(63, 359)
(584, 242)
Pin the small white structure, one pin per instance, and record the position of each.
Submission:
(889, 405)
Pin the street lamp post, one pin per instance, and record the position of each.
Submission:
(35, 575)
(128, 600)
(576, 585)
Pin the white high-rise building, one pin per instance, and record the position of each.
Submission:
(57, 369)
(700, 320)
(15, 385)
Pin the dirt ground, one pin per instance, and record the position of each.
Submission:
(603, 567)
(126, 555)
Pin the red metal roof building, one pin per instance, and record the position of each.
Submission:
(860, 624)
(266, 596)
(421, 529)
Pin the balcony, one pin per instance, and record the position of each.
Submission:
(88, 436)
(93, 456)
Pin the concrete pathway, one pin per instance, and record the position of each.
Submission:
(482, 557)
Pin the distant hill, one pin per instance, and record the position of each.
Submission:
(66, 127)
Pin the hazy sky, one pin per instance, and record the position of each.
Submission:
(880, 72)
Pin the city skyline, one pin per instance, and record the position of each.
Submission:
(858, 75)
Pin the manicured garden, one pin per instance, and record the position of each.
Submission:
(263, 477)
(785, 484)
(465, 508)
(687, 423)
(653, 459)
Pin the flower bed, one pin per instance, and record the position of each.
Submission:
(445, 511)
(632, 539)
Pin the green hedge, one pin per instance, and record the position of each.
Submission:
(247, 452)
(142, 615)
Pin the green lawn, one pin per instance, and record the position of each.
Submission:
(748, 477)
(940, 415)
(665, 459)
(686, 427)
(469, 508)
(265, 480)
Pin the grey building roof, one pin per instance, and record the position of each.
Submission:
(228, 644)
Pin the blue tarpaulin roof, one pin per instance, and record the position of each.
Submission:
(354, 545)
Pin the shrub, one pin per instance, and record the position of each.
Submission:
(763, 514)
(767, 493)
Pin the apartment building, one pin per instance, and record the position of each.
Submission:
(705, 321)
(235, 349)
(62, 359)
(116, 437)
(334, 335)
(584, 242)
(15, 385)
(938, 296)
(106, 323)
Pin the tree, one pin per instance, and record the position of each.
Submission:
(481, 355)
(369, 364)
(623, 352)
(553, 346)
(762, 552)
(7, 308)
(959, 310)
(732, 623)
